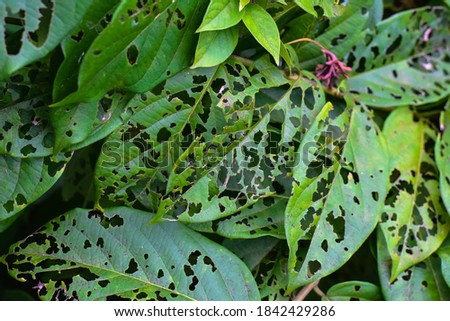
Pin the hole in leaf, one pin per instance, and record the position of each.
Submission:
(313, 267)
(39, 36)
(132, 267)
(132, 55)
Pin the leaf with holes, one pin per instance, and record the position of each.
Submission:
(326, 5)
(264, 218)
(75, 122)
(214, 47)
(75, 45)
(265, 33)
(353, 291)
(143, 48)
(272, 274)
(338, 192)
(339, 36)
(24, 121)
(404, 60)
(220, 15)
(24, 180)
(115, 255)
(41, 25)
(421, 282)
(207, 120)
(414, 221)
(443, 158)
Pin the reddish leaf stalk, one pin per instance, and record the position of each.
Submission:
(330, 72)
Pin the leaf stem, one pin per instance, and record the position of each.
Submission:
(306, 40)
(305, 291)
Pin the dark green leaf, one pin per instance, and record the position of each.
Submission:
(88, 255)
(137, 51)
(251, 251)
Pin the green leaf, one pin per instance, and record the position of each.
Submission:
(137, 51)
(264, 218)
(403, 61)
(272, 274)
(443, 158)
(24, 121)
(189, 131)
(326, 5)
(77, 43)
(214, 47)
(339, 36)
(444, 255)
(221, 14)
(243, 3)
(75, 122)
(24, 180)
(120, 256)
(43, 24)
(414, 221)
(251, 251)
(263, 28)
(353, 291)
(77, 179)
(421, 282)
(338, 192)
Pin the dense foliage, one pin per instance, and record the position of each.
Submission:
(224, 150)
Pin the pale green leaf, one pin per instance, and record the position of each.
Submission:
(214, 47)
(414, 221)
(264, 218)
(116, 254)
(403, 61)
(263, 28)
(338, 192)
(421, 282)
